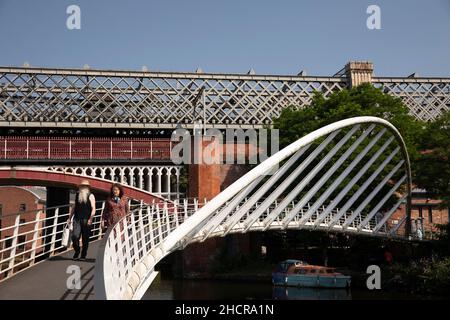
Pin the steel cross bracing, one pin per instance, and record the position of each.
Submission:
(76, 98)
(426, 98)
(350, 176)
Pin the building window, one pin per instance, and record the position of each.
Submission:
(22, 221)
(22, 207)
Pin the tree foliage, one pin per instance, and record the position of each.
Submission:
(364, 100)
(428, 144)
(433, 166)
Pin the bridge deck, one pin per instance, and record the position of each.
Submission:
(47, 280)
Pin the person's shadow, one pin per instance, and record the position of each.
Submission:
(58, 258)
(62, 258)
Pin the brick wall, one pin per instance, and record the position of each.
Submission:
(421, 209)
(206, 181)
(14, 200)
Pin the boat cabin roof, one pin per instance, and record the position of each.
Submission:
(294, 261)
(309, 266)
(311, 269)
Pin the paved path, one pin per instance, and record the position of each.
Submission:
(47, 280)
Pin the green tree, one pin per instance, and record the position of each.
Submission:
(364, 100)
(433, 164)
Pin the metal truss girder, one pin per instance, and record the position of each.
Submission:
(425, 98)
(34, 97)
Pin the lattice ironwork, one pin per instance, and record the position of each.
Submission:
(426, 98)
(112, 99)
(146, 99)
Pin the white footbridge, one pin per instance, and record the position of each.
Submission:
(350, 176)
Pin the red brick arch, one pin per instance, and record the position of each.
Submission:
(24, 176)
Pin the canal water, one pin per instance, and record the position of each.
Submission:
(182, 289)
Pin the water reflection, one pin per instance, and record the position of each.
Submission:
(170, 289)
(178, 289)
(294, 293)
(206, 290)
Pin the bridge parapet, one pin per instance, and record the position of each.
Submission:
(84, 149)
(31, 237)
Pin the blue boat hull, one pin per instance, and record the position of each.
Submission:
(311, 281)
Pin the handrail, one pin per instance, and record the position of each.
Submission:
(31, 211)
(47, 225)
(40, 237)
(84, 148)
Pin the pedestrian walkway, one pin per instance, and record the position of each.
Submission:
(48, 279)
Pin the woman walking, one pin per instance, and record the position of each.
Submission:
(116, 206)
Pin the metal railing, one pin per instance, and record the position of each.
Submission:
(29, 237)
(133, 238)
(136, 241)
(74, 148)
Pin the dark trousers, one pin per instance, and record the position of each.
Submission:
(82, 230)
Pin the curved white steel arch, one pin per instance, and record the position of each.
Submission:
(129, 252)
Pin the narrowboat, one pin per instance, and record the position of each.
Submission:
(297, 273)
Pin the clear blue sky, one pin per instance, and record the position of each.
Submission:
(272, 37)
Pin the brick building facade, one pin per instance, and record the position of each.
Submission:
(426, 215)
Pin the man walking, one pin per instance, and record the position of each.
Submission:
(82, 211)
